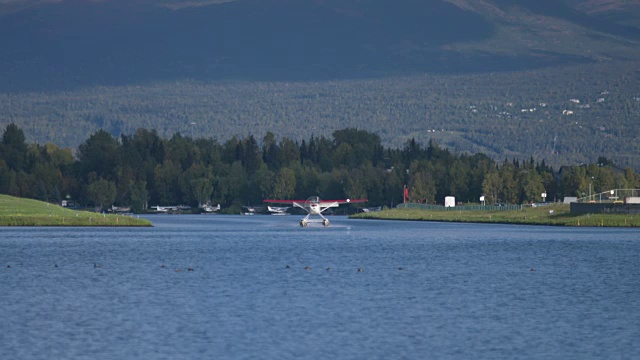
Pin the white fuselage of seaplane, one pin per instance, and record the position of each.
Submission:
(316, 208)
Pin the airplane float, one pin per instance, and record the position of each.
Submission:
(315, 206)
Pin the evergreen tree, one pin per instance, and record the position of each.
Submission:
(99, 154)
(13, 149)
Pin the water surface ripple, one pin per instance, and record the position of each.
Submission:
(425, 290)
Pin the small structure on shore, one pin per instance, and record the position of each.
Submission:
(450, 201)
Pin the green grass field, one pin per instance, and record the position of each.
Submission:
(527, 216)
(26, 212)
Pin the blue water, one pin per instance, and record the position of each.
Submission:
(465, 291)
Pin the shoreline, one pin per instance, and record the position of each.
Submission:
(20, 212)
(539, 216)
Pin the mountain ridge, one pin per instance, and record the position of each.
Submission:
(64, 43)
(306, 67)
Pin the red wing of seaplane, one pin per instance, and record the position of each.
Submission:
(315, 206)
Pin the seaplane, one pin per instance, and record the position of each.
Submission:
(251, 210)
(278, 210)
(209, 208)
(120, 209)
(164, 209)
(315, 206)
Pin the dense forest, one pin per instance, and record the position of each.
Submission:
(553, 80)
(143, 169)
(519, 114)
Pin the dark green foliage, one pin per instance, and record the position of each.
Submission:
(13, 148)
(101, 193)
(138, 197)
(143, 169)
(99, 155)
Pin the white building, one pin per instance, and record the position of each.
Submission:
(450, 201)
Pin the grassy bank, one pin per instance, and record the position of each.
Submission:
(528, 216)
(26, 212)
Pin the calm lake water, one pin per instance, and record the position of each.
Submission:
(465, 291)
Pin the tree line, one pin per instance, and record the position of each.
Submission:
(142, 169)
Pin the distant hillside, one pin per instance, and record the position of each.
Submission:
(504, 115)
(65, 44)
(462, 72)
(119, 42)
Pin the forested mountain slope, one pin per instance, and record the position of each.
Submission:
(496, 76)
(65, 44)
